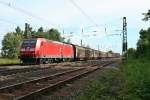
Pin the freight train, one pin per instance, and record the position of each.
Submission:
(41, 50)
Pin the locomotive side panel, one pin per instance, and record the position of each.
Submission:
(67, 51)
(56, 51)
(49, 50)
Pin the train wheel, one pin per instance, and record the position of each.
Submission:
(63, 60)
(41, 61)
(49, 61)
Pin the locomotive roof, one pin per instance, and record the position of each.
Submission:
(61, 43)
(53, 41)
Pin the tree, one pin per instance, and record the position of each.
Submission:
(19, 31)
(146, 16)
(131, 52)
(40, 29)
(53, 34)
(143, 45)
(11, 43)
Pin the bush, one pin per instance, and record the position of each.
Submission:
(105, 88)
(136, 75)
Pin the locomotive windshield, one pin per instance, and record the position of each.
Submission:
(28, 43)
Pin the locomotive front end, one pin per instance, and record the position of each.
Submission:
(28, 51)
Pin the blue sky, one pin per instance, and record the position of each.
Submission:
(62, 14)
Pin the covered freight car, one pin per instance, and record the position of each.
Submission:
(103, 54)
(79, 52)
(96, 54)
(85, 53)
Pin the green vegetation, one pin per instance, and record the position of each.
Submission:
(11, 43)
(4, 61)
(106, 87)
(131, 81)
(136, 75)
(143, 45)
(146, 16)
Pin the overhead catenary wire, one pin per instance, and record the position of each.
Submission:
(28, 13)
(87, 16)
(8, 21)
(84, 13)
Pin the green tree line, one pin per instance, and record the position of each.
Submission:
(143, 44)
(12, 41)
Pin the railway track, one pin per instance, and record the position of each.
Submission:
(5, 65)
(22, 75)
(8, 72)
(30, 89)
(15, 71)
(13, 76)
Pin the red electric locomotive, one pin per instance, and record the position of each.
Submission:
(41, 50)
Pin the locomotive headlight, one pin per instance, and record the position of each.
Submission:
(23, 49)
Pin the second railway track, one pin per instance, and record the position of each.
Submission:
(30, 89)
(6, 71)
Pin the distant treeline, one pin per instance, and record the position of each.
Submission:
(143, 44)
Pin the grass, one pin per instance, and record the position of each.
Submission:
(105, 87)
(136, 75)
(4, 61)
(131, 82)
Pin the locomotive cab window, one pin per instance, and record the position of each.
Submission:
(29, 43)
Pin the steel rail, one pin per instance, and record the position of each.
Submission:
(9, 72)
(73, 74)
